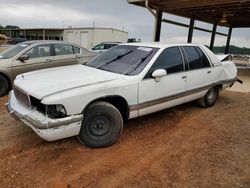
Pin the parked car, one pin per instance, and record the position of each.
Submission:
(35, 55)
(16, 40)
(3, 39)
(104, 46)
(126, 82)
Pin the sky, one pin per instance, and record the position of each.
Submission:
(137, 21)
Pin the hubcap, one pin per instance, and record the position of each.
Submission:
(99, 125)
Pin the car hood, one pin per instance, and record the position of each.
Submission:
(49, 81)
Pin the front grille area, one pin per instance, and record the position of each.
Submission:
(38, 105)
(22, 97)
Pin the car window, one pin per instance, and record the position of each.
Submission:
(39, 51)
(63, 49)
(124, 59)
(195, 60)
(99, 47)
(107, 46)
(14, 50)
(76, 50)
(170, 60)
(204, 59)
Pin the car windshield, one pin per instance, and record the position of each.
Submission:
(124, 59)
(11, 52)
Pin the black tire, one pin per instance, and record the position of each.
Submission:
(102, 125)
(210, 98)
(4, 86)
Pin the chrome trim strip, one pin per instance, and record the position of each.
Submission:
(179, 95)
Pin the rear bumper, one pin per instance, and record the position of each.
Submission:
(227, 83)
(47, 128)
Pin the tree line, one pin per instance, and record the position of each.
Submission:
(232, 50)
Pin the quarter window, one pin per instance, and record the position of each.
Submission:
(170, 60)
(63, 49)
(204, 59)
(196, 58)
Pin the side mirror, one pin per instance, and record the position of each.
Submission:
(23, 58)
(157, 74)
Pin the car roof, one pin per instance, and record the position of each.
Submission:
(159, 44)
(46, 42)
(110, 43)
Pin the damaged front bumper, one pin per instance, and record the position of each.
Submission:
(47, 128)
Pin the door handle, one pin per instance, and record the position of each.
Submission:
(208, 72)
(184, 77)
(49, 60)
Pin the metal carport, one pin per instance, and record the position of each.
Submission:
(228, 13)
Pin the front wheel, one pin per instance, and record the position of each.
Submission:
(210, 98)
(4, 86)
(101, 126)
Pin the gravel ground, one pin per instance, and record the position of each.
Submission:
(2, 48)
(244, 75)
(185, 146)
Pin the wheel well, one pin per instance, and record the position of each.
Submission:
(220, 86)
(7, 78)
(119, 102)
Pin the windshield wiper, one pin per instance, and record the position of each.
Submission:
(116, 58)
(137, 64)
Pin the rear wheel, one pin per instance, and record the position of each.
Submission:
(210, 98)
(4, 86)
(102, 125)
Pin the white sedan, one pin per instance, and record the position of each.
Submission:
(130, 80)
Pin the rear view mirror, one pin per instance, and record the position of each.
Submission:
(23, 58)
(157, 74)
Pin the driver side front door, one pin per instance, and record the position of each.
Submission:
(169, 90)
(39, 58)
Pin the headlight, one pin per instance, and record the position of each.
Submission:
(56, 111)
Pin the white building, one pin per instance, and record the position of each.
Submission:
(87, 37)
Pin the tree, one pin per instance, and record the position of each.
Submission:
(11, 27)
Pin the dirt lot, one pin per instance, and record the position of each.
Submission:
(243, 75)
(185, 146)
(2, 48)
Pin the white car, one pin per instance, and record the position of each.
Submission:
(103, 47)
(130, 80)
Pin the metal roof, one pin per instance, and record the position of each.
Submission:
(235, 12)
